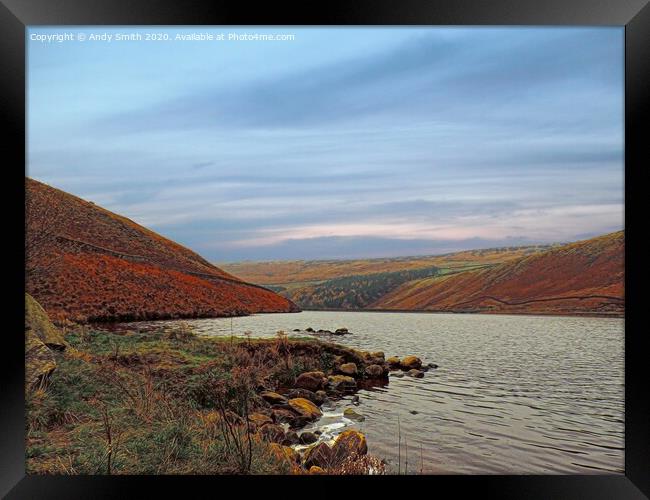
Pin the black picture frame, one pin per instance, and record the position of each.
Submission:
(16, 15)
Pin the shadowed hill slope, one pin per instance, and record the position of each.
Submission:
(586, 277)
(86, 263)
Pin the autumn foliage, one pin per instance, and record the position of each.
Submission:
(85, 263)
(586, 277)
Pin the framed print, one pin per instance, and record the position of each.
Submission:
(363, 242)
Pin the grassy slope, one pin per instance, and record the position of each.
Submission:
(304, 271)
(156, 393)
(95, 265)
(582, 277)
(168, 402)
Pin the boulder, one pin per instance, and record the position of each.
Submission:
(285, 453)
(397, 374)
(353, 415)
(377, 354)
(259, 419)
(303, 393)
(39, 362)
(394, 362)
(410, 362)
(305, 408)
(273, 397)
(300, 421)
(341, 331)
(282, 416)
(348, 369)
(432, 365)
(342, 383)
(415, 373)
(348, 443)
(319, 455)
(311, 381)
(296, 329)
(320, 397)
(37, 321)
(374, 371)
(273, 433)
(315, 469)
(308, 438)
(309, 329)
(290, 438)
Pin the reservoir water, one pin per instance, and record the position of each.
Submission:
(511, 394)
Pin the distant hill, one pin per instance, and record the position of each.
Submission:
(355, 292)
(284, 273)
(586, 277)
(357, 284)
(86, 263)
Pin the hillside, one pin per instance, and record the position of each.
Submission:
(356, 284)
(354, 292)
(86, 263)
(283, 273)
(586, 277)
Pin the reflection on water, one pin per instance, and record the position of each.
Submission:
(512, 394)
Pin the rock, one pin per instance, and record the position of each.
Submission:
(397, 374)
(39, 362)
(311, 381)
(317, 397)
(378, 354)
(283, 416)
(310, 330)
(341, 331)
(300, 421)
(296, 330)
(374, 371)
(411, 362)
(259, 419)
(308, 438)
(305, 408)
(319, 456)
(355, 399)
(432, 365)
(290, 438)
(342, 383)
(320, 397)
(348, 369)
(413, 412)
(353, 415)
(415, 373)
(273, 397)
(285, 453)
(37, 321)
(273, 433)
(348, 443)
(394, 362)
(315, 469)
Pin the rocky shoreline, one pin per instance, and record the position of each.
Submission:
(247, 401)
(287, 409)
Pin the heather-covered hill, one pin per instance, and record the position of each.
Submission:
(282, 273)
(586, 277)
(86, 263)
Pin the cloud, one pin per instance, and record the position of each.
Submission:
(422, 137)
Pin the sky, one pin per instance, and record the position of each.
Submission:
(338, 143)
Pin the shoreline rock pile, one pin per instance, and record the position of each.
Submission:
(285, 410)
